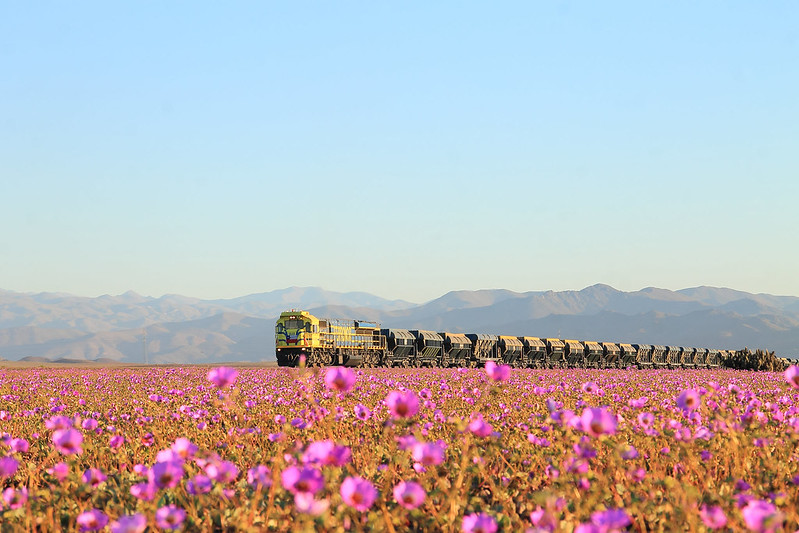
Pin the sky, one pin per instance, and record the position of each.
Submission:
(404, 149)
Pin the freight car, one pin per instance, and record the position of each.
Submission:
(300, 336)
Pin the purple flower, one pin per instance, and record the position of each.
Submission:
(306, 479)
(612, 519)
(135, 523)
(305, 502)
(222, 471)
(58, 422)
(628, 452)
(689, 400)
(93, 477)
(19, 445)
(598, 421)
(15, 498)
(199, 484)
(409, 494)
(223, 376)
(115, 442)
(712, 516)
(143, 491)
(8, 466)
(762, 516)
(497, 372)
(362, 412)
(339, 379)
(184, 448)
(358, 493)
(166, 475)
(402, 404)
(90, 424)
(792, 376)
(326, 452)
(170, 517)
(478, 523)
(480, 427)
(259, 476)
(60, 471)
(428, 453)
(93, 520)
(68, 441)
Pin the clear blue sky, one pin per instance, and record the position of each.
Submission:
(406, 149)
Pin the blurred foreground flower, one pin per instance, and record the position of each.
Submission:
(409, 494)
(358, 493)
(478, 523)
(68, 441)
(223, 376)
(762, 516)
(792, 376)
(170, 517)
(713, 516)
(135, 523)
(339, 378)
(402, 404)
(93, 520)
(497, 372)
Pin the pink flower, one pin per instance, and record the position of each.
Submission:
(223, 376)
(8, 466)
(792, 376)
(305, 502)
(598, 421)
(143, 491)
(689, 400)
(199, 484)
(302, 480)
(478, 523)
(58, 422)
(166, 475)
(116, 441)
(222, 471)
(68, 441)
(713, 516)
(339, 379)
(409, 494)
(259, 476)
(362, 412)
(170, 517)
(611, 519)
(402, 404)
(428, 453)
(497, 372)
(93, 477)
(135, 523)
(60, 471)
(15, 498)
(480, 427)
(19, 445)
(93, 520)
(358, 493)
(326, 452)
(184, 448)
(762, 516)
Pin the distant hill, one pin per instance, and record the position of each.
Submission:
(177, 329)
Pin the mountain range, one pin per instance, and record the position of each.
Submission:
(131, 328)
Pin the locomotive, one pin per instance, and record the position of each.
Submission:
(337, 342)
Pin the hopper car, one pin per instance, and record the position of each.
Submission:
(301, 336)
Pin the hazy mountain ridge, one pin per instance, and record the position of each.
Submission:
(179, 329)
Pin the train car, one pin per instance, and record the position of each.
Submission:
(659, 356)
(643, 356)
(556, 353)
(611, 354)
(686, 357)
(457, 349)
(672, 356)
(593, 354)
(700, 358)
(400, 347)
(574, 353)
(484, 349)
(511, 351)
(429, 346)
(712, 358)
(535, 352)
(321, 341)
(628, 355)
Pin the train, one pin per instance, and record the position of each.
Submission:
(302, 338)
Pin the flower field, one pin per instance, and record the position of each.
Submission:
(253, 449)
